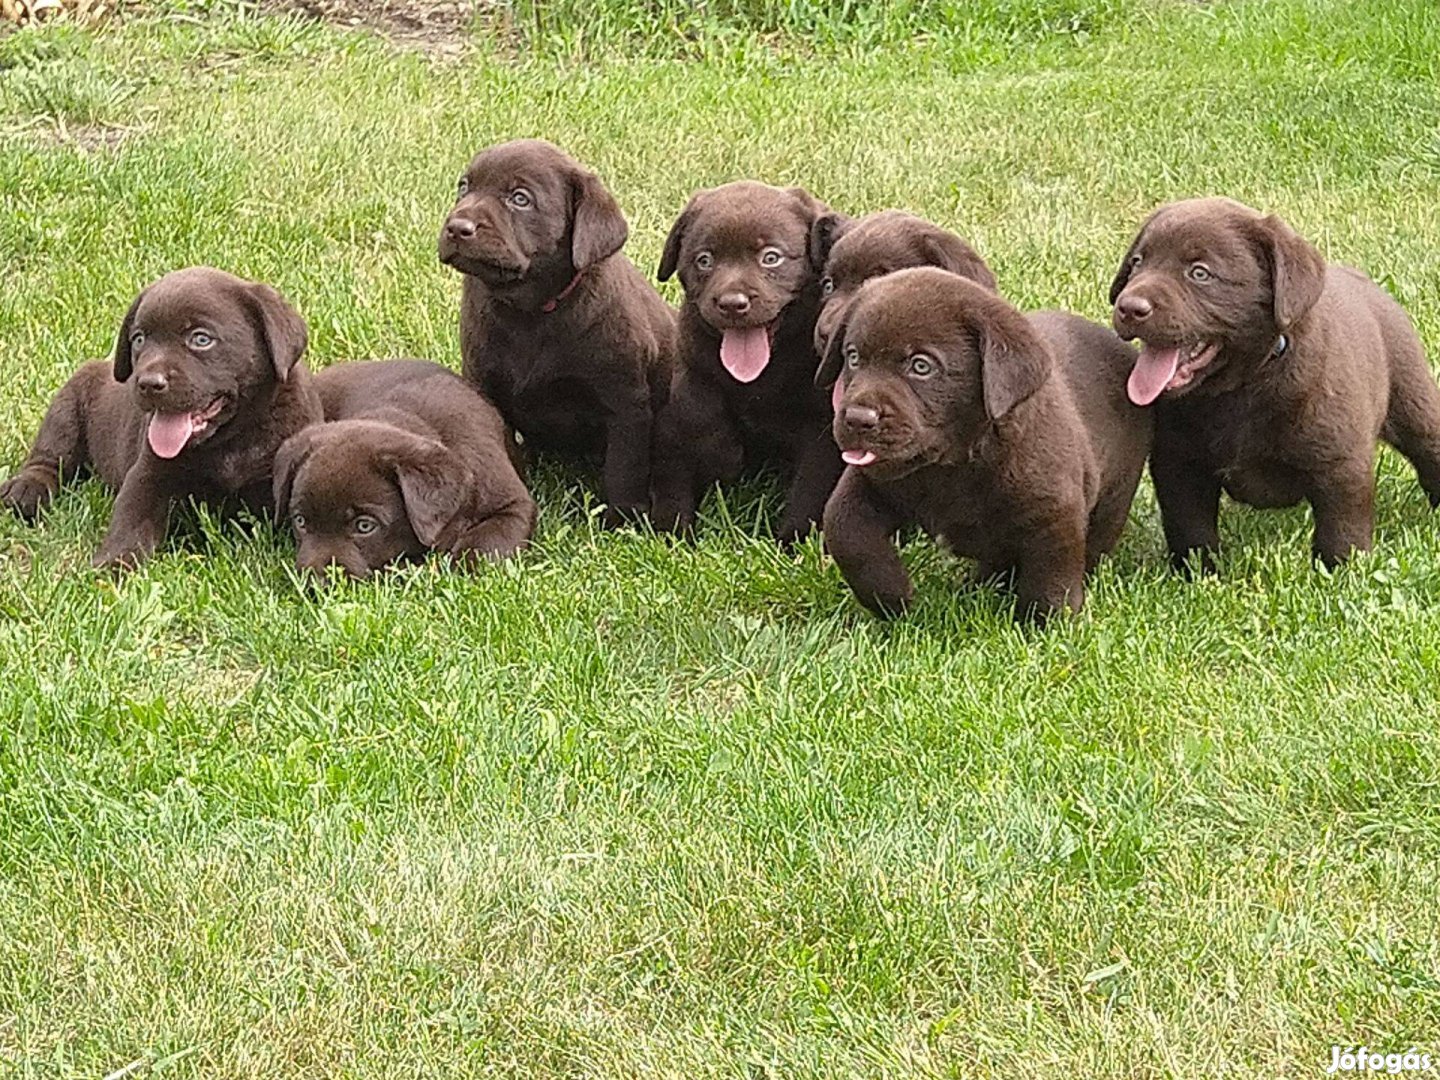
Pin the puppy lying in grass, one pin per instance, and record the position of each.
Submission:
(1007, 437)
(206, 384)
(410, 459)
(1272, 376)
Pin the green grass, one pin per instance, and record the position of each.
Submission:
(624, 808)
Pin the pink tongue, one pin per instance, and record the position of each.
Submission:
(857, 457)
(745, 352)
(1152, 373)
(169, 432)
(836, 394)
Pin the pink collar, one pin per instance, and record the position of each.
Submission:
(554, 302)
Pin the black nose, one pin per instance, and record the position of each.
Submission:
(152, 382)
(733, 303)
(460, 228)
(1134, 308)
(862, 417)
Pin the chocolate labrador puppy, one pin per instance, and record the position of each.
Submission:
(1272, 376)
(206, 384)
(854, 251)
(410, 459)
(744, 393)
(557, 328)
(1006, 437)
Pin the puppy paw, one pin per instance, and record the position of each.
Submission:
(26, 493)
(887, 605)
(789, 533)
(1192, 563)
(618, 516)
(117, 562)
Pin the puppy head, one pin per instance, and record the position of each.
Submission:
(928, 363)
(360, 494)
(1209, 285)
(743, 253)
(880, 244)
(197, 346)
(526, 211)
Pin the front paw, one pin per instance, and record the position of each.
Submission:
(1193, 562)
(673, 518)
(618, 516)
(887, 604)
(117, 560)
(28, 492)
(793, 530)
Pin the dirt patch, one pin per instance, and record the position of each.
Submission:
(440, 26)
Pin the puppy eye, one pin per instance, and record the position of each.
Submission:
(704, 261)
(921, 366)
(1134, 261)
(137, 339)
(298, 520)
(772, 257)
(827, 286)
(364, 525)
(201, 339)
(852, 357)
(520, 199)
(1199, 272)
(463, 186)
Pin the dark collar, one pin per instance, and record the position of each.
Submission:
(555, 301)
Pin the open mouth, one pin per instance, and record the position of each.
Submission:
(858, 458)
(1171, 367)
(745, 350)
(170, 433)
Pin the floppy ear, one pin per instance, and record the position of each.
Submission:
(948, 252)
(1014, 362)
(281, 328)
(288, 459)
(1298, 269)
(598, 227)
(827, 229)
(124, 362)
(670, 257)
(834, 358)
(435, 485)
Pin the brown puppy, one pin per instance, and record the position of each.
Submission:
(1272, 375)
(206, 384)
(744, 393)
(410, 459)
(854, 251)
(1006, 437)
(557, 328)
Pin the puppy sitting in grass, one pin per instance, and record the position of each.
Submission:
(1008, 438)
(206, 384)
(410, 460)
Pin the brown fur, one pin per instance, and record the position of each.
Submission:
(250, 371)
(714, 424)
(585, 377)
(1272, 428)
(1018, 449)
(410, 459)
(854, 251)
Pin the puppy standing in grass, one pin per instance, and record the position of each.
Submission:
(557, 328)
(410, 459)
(206, 384)
(1007, 437)
(1272, 376)
(744, 393)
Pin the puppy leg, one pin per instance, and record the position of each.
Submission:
(1107, 522)
(1412, 424)
(625, 479)
(142, 511)
(1343, 501)
(817, 468)
(1050, 575)
(858, 530)
(1189, 497)
(506, 530)
(695, 445)
(59, 451)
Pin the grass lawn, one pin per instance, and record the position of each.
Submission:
(625, 808)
